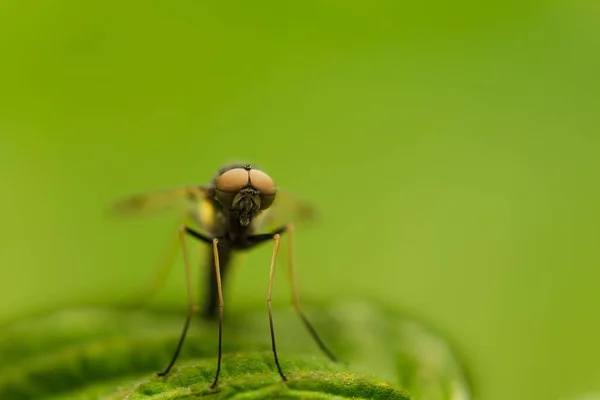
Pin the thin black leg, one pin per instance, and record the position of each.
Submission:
(215, 247)
(296, 298)
(254, 240)
(272, 329)
(191, 307)
(198, 236)
(179, 344)
(315, 336)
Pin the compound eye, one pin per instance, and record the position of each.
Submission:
(232, 180)
(225, 198)
(263, 183)
(266, 200)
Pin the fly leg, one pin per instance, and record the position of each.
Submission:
(215, 247)
(162, 269)
(296, 297)
(271, 276)
(251, 242)
(191, 306)
(275, 235)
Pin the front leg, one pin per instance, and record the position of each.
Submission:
(254, 240)
(198, 235)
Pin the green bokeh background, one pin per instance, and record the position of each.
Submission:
(452, 149)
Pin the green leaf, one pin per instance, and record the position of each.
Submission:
(113, 353)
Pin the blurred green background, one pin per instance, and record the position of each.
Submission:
(452, 149)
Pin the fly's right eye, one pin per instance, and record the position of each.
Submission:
(225, 198)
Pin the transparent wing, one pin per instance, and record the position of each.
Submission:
(182, 198)
(286, 209)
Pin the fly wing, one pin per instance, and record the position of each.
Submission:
(182, 198)
(286, 209)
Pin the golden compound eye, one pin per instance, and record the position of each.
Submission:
(232, 180)
(262, 182)
(266, 201)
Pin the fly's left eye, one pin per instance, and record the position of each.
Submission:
(262, 182)
(265, 185)
(266, 200)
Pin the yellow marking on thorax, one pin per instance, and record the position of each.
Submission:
(206, 211)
